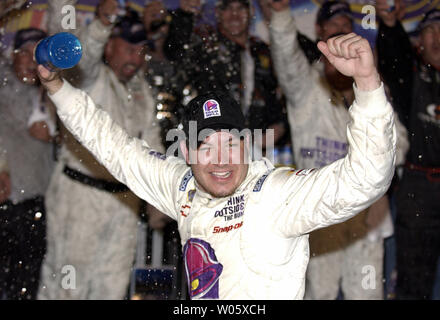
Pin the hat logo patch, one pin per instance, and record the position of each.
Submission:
(211, 108)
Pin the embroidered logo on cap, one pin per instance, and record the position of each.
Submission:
(211, 108)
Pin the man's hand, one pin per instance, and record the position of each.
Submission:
(390, 17)
(5, 186)
(106, 10)
(352, 56)
(191, 6)
(51, 81)
(279, 5)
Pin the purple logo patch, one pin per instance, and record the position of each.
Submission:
(202, 269)
(211, 108)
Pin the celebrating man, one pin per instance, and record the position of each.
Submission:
(244, 225)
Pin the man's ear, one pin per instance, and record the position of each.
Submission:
(184, 150)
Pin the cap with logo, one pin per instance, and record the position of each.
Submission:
(214, 110)
(432, 16)
(331, 9)
(24, 36)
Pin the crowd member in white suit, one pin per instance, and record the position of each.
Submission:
(92, 219)
(318, 99)
(241, 242)
(27, 132)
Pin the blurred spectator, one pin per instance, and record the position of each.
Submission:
(166, 79)
(27, 126)
(228, 58)
(413, 76)
(262, 29)
(92, 217)
(318, 98)
(7, 6)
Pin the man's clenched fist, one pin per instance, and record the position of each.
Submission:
(352, 56)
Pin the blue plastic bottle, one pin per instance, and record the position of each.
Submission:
(59, 51)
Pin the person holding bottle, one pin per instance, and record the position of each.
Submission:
(92, 218)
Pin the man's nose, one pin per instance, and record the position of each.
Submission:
(223, 156)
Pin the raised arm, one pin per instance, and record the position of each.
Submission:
(181, 29)
(93, 40)
(395, 56)
(344, 188)
(291, 65)
(130, 160)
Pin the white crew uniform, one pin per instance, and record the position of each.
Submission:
(90, 229)
(253, 244)
(318, 116)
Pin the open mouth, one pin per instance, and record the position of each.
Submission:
(221, 175)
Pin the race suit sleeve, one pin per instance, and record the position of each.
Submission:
(402, 146)
(150, 175)
(318, 198)
(291, 65)
(396, 65)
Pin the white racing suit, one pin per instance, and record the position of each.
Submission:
(91, 232)
(345, 254)
(253, 244)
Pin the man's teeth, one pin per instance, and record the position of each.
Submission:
(222, 174)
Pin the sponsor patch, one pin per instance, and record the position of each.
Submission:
(184, 210)
(202, 269)
(157, 154)
(260, 182)
(301, 172)
(185, 180)
(191, 194)
(234, 208)
(227, 229)
(211, 108)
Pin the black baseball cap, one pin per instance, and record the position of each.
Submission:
(24, 36)
(130, 28)
(432, 16)
(222, 4)
(330, 9)
(214, 110)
